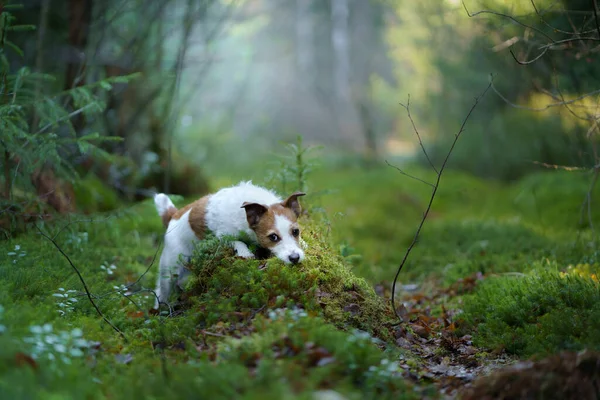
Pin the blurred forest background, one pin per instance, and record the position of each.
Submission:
(110, 100)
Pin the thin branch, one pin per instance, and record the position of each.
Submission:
(547, 106)
(433, 193)
(561, 167)
(407, 107)
(530, 61)
(409, 175)
(85, 287)
(471, 15)
(595, 6)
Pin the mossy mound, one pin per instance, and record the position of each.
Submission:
(225, 288)
(567, 375)
(546, 311)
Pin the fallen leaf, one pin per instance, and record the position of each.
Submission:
(421, 330)
(22, 359)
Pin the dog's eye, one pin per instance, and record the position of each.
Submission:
(295, 232)
(274, 237)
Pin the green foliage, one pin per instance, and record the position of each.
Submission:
(543, 312)
(475, 225)
(293, 343)
(234, 309)
(443, 59)
(93, 195)
(36, 129)
(292, 170)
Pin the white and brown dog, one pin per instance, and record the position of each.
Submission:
(260, 214)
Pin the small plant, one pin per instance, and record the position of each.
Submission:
(65, 302)
(294, 167)
(16, 253)
(110, 269)
(58, 346)
(77, 239)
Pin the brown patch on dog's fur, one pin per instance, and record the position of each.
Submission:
(266, 223)
(166, 217)
(197, 215)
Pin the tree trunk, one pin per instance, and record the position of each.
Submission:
(339, 38)
(304, 39)
(80, 18)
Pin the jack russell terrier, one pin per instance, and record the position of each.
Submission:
(264, 217)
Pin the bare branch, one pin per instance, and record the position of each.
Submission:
(561, 167)
(595, 6)
(507, 17)
(407, 107)
(547, 106)
(409, 175)
(85, 287)
(530, 61)
(433, 193)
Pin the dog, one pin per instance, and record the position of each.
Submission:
(260, 214)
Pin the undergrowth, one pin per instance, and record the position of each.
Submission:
(302, 329)
(543, 312)
(317, 326)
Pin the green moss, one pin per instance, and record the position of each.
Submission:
(540, 313)
(229, 303)
(223, 286)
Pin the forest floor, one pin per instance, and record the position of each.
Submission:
(501, 273)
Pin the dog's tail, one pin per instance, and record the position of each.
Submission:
(165, 208)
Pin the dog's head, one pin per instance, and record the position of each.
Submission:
(276, 227)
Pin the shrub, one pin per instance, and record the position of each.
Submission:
(543, 312)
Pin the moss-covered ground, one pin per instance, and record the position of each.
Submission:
(502, 271)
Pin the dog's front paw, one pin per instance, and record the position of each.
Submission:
(245, 254)
(241, 250)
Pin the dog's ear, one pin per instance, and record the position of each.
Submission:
(292, 202)
(254, 212)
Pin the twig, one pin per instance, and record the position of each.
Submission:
(547, 106)
(595, 7)
(433, 193)
(409, 175)
(213, 334)
(556, 166)
(407, 107)
(529, 61)
(471, 15)
(85, 287)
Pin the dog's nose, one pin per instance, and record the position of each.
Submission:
(294, 258)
